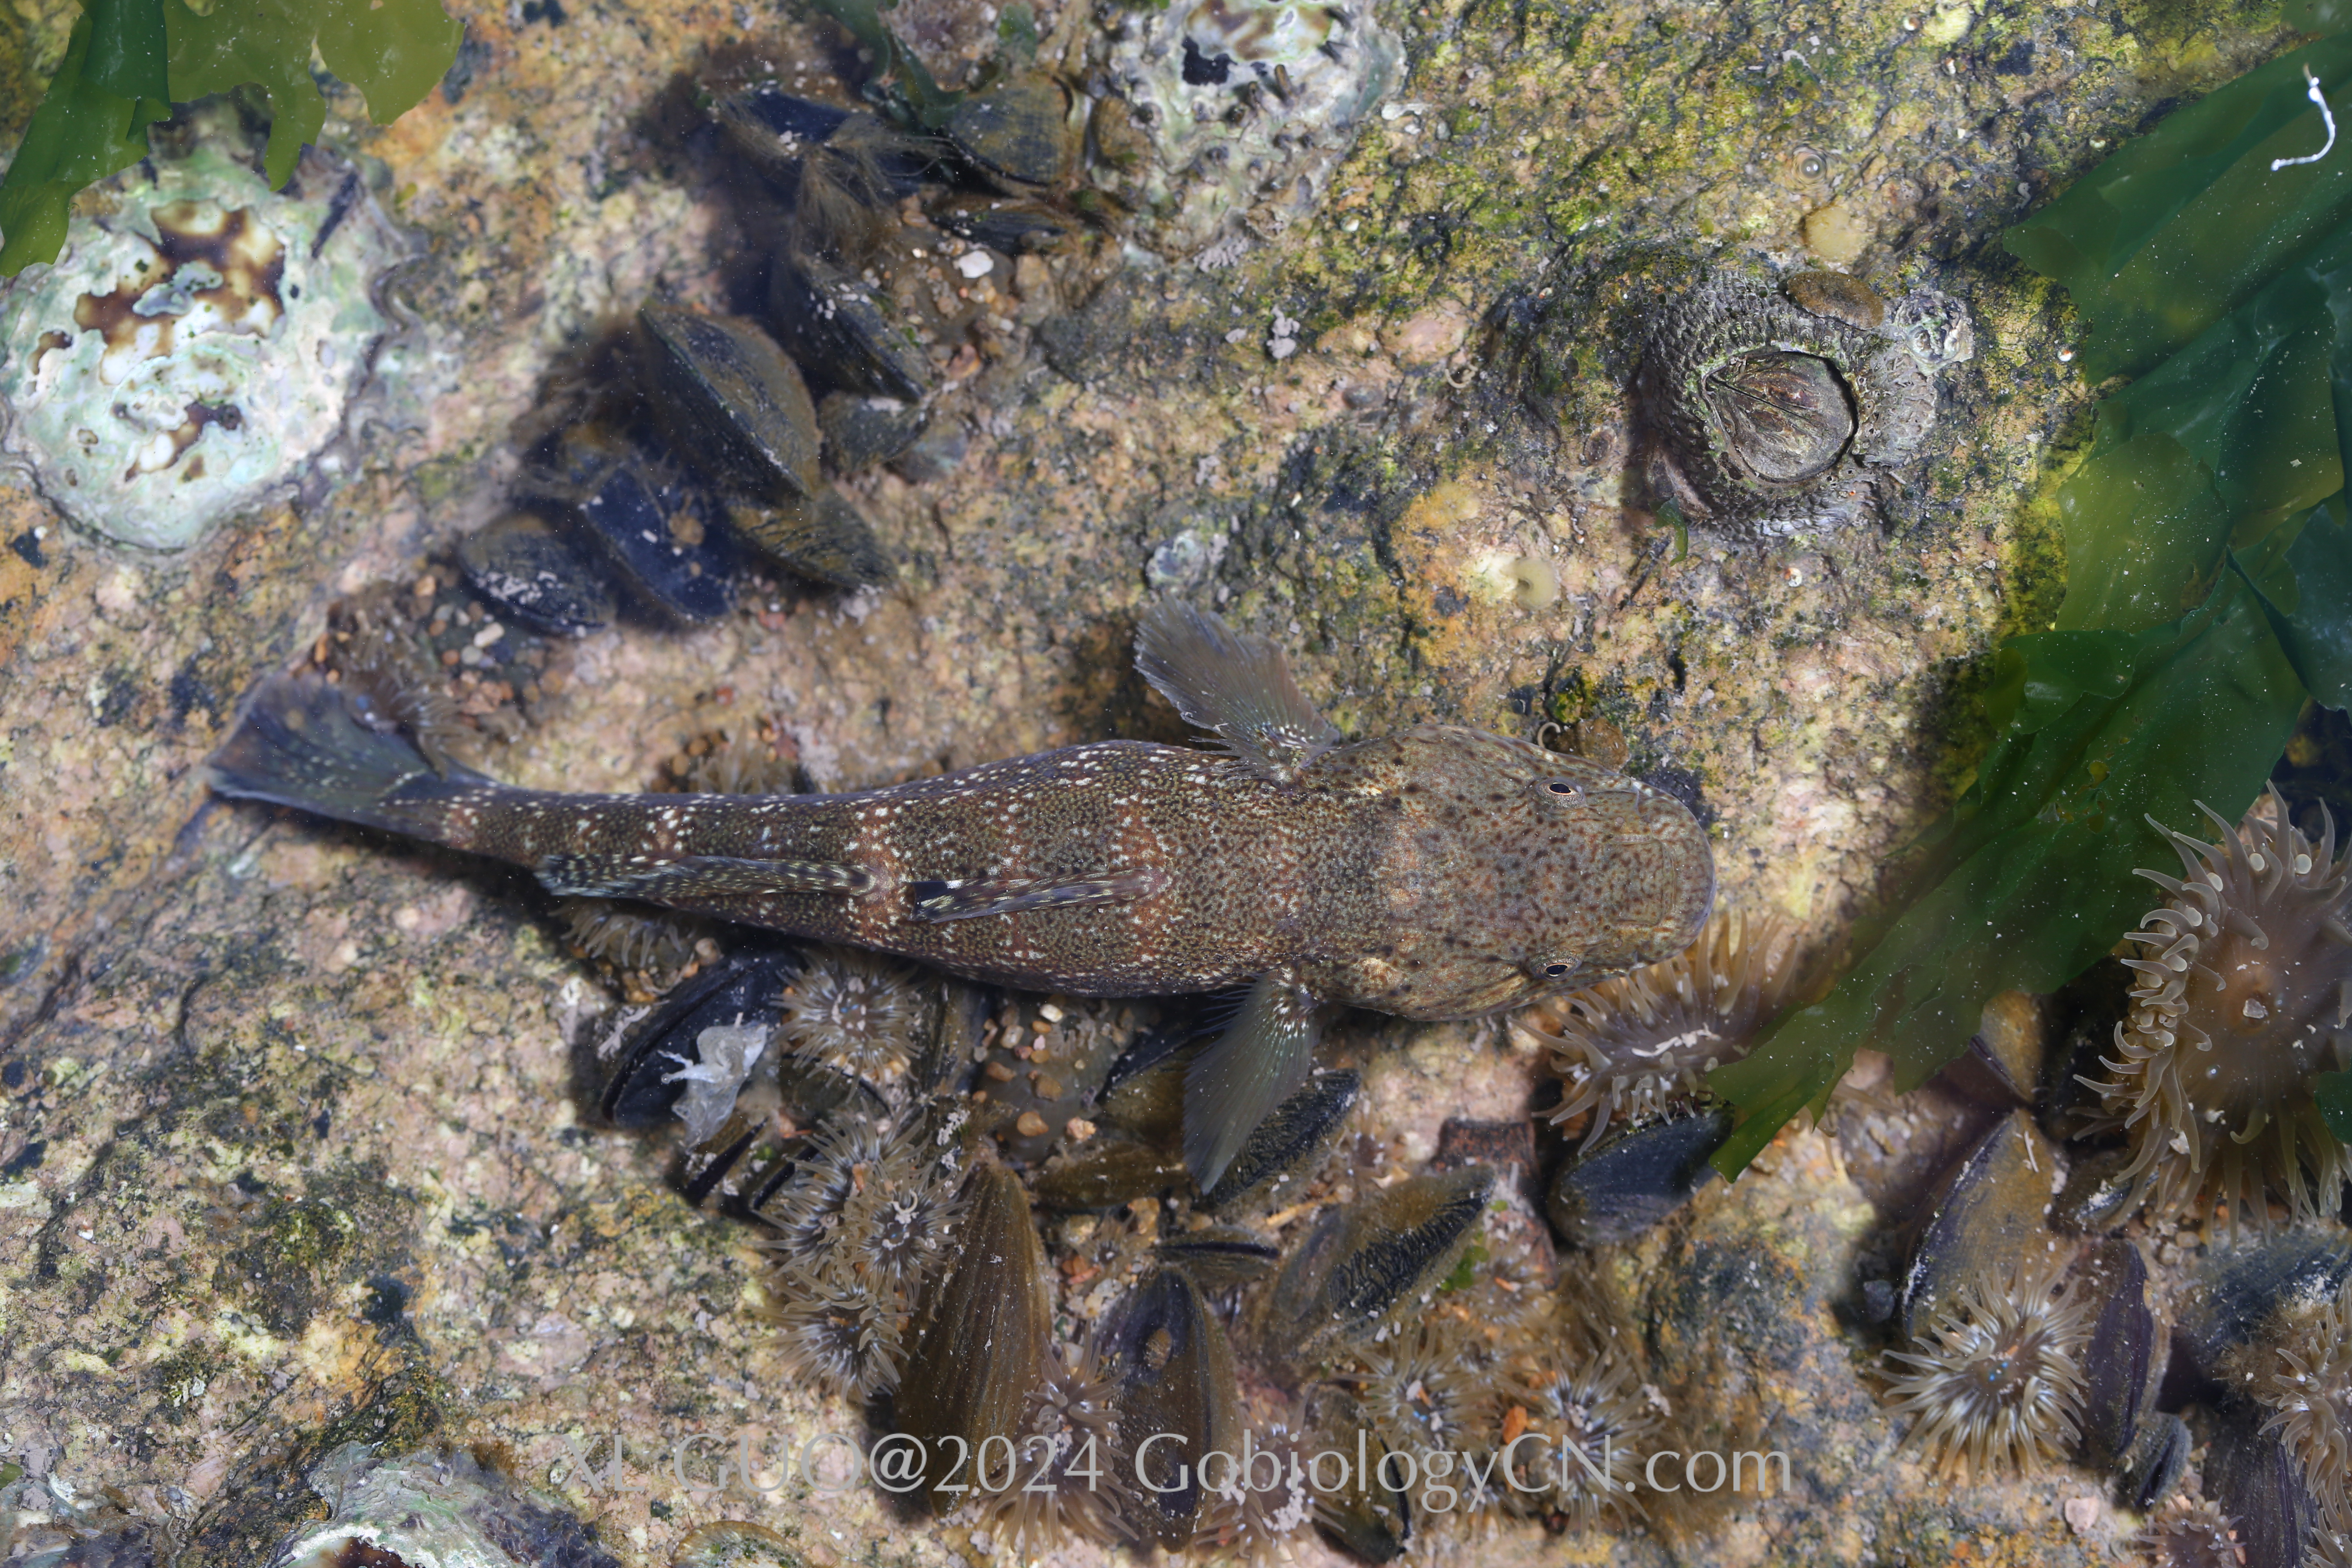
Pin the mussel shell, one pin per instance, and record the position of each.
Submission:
(1019, 133)
(1371, 1522)
(531, 572)
(1176, 1376)
(1836, 296)
(820, 536)
(1992, 1210)
(978, 1346)
(1109, 1172)
(773, 130)
(1220, 1255)
(2151, 1467)
(2099, 1194)
(2002, 1066)
(740, 985)
(941, 451)
(2242, 1287)
(2122, 1361)
(1361, 1260)
(1014, 227)
(847, 331)
(644, 519)
(732, 403)
(1780, 418)
(2251, 1478)
(862, 431)
(1638, 1175)
(1286, 1142)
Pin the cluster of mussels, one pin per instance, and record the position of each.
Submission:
(1382, 1354)
(685, 443)
(2121, 1219)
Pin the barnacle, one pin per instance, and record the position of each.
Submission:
(2298, 1373)
(372, 651)
(2190, 1533)
(852, 1012)
(839, 1332)
(1627, 1046)
(1066, 1471)
(2242, 1001)
(1998, 1376)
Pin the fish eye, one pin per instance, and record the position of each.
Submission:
(1555, 971)
(1562, 787)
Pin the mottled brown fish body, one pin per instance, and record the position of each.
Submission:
(1436, 873)
(1231, 868)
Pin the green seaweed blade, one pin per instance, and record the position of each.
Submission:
(2184, 223)
(127, 58)
(80, 133)
(2030, 880)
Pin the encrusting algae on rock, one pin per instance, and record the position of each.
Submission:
(1439, 872)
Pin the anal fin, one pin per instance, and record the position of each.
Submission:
(694, 876)
(937, 900)
(1256, 1064)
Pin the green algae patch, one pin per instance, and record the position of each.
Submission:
(130, 59)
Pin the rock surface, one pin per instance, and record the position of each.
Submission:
(293, 1140)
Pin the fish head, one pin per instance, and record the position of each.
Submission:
(1507, 872)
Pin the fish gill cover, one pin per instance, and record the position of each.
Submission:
(128, 60)
(2208, 576)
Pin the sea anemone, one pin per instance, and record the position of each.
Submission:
(1585, 1401)
(1253, 1514)
(630, 936)
(741, 765)
(1625, 1048)
(1426, 1388)
(2241, 1002)
(2298, 1371)
(840, 1333)
(819, 1215)
(2190, 1533)
(1998, 1375)
(904, 1218)
(1065, 1473)
(852, 1011)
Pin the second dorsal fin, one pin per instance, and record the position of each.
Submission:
(1233, 683)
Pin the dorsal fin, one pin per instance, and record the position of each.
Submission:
(1233, 683)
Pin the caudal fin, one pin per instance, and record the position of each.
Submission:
(326, 749)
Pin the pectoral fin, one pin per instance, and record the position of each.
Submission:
(695, 877)
(1256, 1064)
(1234, 683)
(937, 900)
